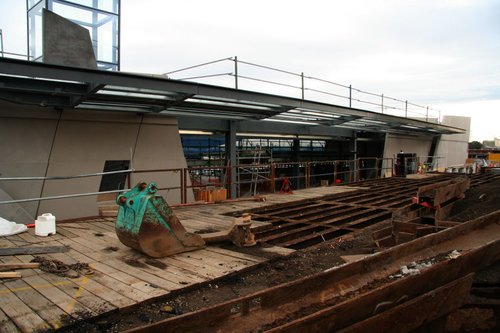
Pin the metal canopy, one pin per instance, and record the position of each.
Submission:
(57, 86)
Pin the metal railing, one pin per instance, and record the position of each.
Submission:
(316, 88)
(61, 178)
(300, 175)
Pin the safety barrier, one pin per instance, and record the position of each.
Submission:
(249, 179)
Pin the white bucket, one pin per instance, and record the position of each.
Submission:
(45, 225)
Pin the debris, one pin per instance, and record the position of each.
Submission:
(12, 251)
(412, 268)
(409, 271)
(183, 282)
(10, 275)
(279, 265)
(453, 254)
(4, 267)
(167, 309)
(60, 268)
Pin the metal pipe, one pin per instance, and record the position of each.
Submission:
(66, 196)
(270, 68)
(195, 66)
(1, 42)
(203, 76)
(350, 95)
(235, 72)
(67, 177)
(273, 177)
(183, 186)
(302, 80)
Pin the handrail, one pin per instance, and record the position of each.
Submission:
(378, 106)
(65, 196)
(66, 177)
(306, 173)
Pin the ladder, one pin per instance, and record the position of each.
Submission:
(250, 170)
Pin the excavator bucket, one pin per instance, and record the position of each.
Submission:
(146, 223)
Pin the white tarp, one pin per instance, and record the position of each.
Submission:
(8, 228)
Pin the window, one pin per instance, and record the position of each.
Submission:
(114, 181)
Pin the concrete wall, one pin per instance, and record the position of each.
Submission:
(454, 147)
(38, 141)
(66, 43)
(394, 143)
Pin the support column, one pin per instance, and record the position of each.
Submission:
(295, 158)
(231, 154)
(354, 153)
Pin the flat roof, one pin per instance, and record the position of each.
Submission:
(50, 85)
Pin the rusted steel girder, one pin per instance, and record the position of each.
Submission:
(362, 290)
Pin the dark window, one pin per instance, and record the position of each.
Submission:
(114, 181)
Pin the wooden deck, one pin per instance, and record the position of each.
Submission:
(123, 278)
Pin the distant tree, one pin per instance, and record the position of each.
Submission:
(475, 145)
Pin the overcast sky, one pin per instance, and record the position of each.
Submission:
(439, 53)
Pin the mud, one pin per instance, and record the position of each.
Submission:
(478, 201)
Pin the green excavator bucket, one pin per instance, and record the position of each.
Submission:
(146, 223)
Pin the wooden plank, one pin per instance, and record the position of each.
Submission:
(77, 251)
(10, 275)
(47, 310)
(66, 232)
(235, 254)
(123, 289)
(381, 233)
(7, 325)
(30, 238)
(210, 265)
(21, 314)
(4, 267)
(80, 294)
(111, 259)
(107, 281)
(5, 243)
(173, 275)
(104, 292)
(141, 274)
(65, 302)
(198, 268)
(135, 283)
(32, 250)
(20, 259)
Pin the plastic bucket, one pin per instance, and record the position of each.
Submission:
(45, 225)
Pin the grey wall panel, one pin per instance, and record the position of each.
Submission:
(25, 143)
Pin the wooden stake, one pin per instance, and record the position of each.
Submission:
(5, 267)
(10, 275)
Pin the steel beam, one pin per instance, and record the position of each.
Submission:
(35, 71)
